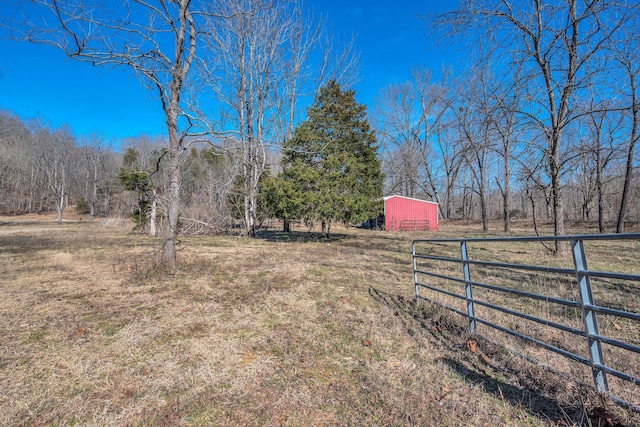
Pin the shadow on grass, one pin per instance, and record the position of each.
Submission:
(530, 399)
(300, 236)
(30, 242)
(538, 390)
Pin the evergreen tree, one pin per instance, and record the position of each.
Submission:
(331, 168)
(134, 179)
(290, 195)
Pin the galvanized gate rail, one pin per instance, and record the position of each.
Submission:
(589, 308)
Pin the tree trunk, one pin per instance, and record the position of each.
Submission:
(628, 175)
(59, 209)
(153, 214)
(482, 192)
(558, 207)
(325, 229)
(171, 230)
(171, 105)
(483, 210)
(61, 196)
(506, 194)
(533, 212)
(94, 193)
(599, 187)
(448, 202)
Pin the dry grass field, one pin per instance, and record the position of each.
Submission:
(278, 330)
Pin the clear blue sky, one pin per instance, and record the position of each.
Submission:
(39, 81)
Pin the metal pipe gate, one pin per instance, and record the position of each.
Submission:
(448, 276)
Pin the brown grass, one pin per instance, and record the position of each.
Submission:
(279, 330)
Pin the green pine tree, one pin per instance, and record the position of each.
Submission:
(133, 179)
(331, 168)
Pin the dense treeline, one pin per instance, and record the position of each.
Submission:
(45, 169)
(542, 124)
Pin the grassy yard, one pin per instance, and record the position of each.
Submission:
(284, 329)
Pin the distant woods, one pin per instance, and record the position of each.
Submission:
(44, 169)
(541, 123)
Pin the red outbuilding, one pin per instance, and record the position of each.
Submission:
(408, 214)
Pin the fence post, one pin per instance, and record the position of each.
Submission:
(415, 272)
(467, 285)
(589, 315)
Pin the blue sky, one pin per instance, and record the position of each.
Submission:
(39, 81)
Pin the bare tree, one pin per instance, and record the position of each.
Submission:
(249, 42)
(507, 99)
(208, 178)
(54, 156)
(627, 54)
(155, 38)
(554, 42)
(397, 113)
(311, 59)
(600, 149)
(474, 115)
(410, 117)
(450, 151)
(146, 155)
(95, 152)
(264, 48)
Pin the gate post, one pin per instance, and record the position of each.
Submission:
(467, 285)
(415, 272)
(589, 315)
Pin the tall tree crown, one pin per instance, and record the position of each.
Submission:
(331, 163)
